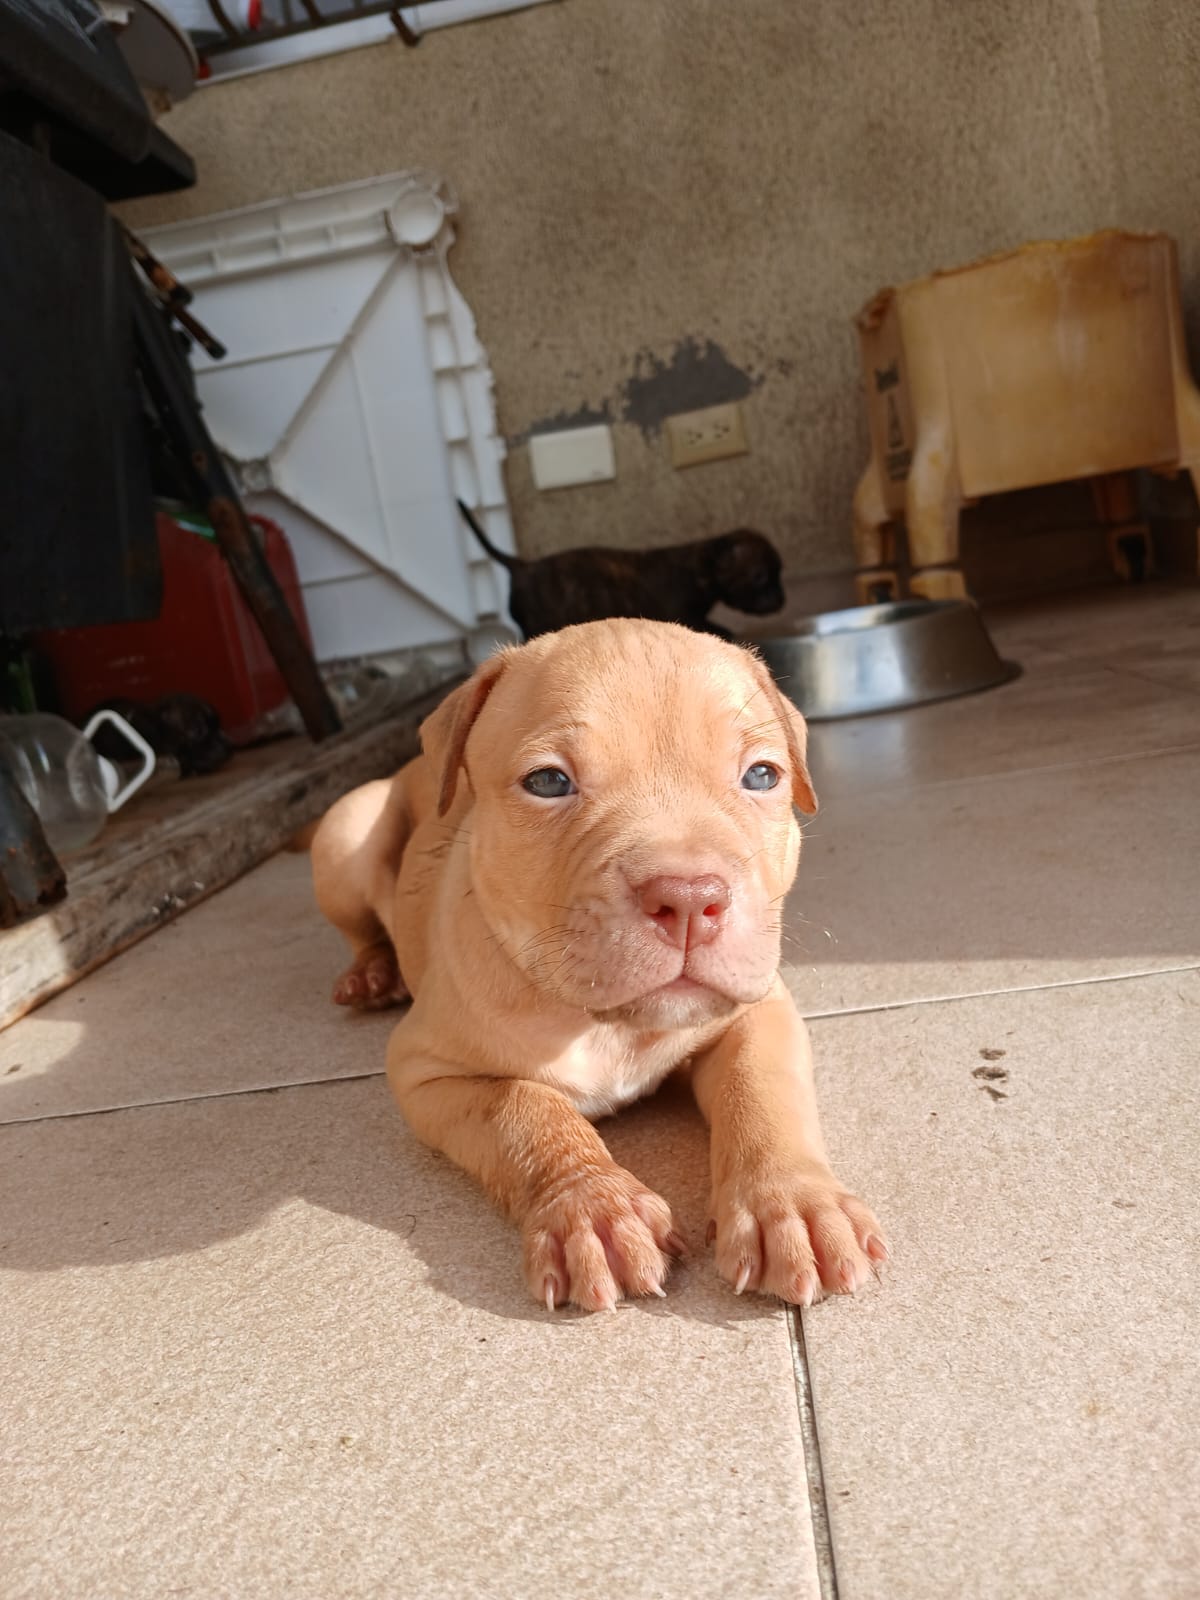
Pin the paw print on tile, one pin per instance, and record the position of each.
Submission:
(989, 1076)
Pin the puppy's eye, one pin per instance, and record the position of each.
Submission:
(548, 783)
(762, 775)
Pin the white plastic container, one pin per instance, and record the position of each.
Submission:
(355, 404)
(68, 783)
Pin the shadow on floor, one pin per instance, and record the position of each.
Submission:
(140, 1184)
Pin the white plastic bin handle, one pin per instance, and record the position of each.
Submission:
(133, 737)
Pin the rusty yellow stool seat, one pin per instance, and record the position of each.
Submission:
(1059, 360)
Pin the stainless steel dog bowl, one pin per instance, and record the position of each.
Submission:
(881, 658)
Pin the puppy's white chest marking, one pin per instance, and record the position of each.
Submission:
(600, 1075)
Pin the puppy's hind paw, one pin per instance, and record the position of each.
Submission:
(372, 981)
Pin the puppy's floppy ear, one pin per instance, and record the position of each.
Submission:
(796, 729)
(444, 731)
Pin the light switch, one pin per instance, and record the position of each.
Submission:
(577, 455)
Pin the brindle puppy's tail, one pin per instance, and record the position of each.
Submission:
(497, 555)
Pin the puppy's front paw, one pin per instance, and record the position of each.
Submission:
(793, 1233)
(596, 1238)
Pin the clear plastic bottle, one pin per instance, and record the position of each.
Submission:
(68, 783)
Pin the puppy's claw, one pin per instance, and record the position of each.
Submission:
(847, 1278)
(743, 1277)
(347, 991)
(877, 1248)
(806, 1288)
(710, 1233)
(675, 1245)
(596, 1240)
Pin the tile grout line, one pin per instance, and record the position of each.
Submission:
(192, 1099)
(818, 1504)
(380, 1072)
(987, 994)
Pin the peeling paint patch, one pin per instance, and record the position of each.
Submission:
(695, 375)
(584, 416)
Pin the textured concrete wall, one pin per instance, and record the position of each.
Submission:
(670, 204)
(1151, 56)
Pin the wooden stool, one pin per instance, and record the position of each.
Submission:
(1051, 362)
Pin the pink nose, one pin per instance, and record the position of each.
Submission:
(689, 911)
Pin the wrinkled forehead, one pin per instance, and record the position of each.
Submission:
(634, 692)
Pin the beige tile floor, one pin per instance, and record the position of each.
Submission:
(254, 1341)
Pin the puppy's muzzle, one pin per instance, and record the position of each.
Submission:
(686, 912)
(764, 603)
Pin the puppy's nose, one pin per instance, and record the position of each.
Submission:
(688, 911)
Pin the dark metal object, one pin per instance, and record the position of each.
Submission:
(65, 60)
(221, 17)
(163, 279)
(163, 169)
(211, 347)
(66, 89)
(30, 876)
(317, 14)
(77, 536)
(168, 380)
(408, 36)
(173, 295)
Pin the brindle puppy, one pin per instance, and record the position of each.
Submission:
(681, 583)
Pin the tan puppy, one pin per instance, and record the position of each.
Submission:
(582, 879)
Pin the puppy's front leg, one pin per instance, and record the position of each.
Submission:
(592, 1233)
(783, 1221)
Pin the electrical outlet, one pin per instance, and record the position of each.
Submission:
(707, 435)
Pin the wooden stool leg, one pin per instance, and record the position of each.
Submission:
(932, 506)
(1193, 472)
(875, 579)
(1129, 546)
(1187, 396)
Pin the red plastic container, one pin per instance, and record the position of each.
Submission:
(204, 641)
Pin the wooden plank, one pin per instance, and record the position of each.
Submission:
(203, 834)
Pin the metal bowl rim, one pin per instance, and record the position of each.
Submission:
(1010, 670)
(888, 614)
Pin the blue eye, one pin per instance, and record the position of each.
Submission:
(548, 783)
(762, 775)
